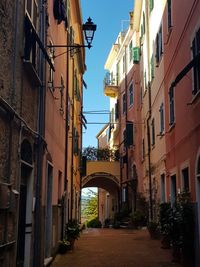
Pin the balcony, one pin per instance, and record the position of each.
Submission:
(110, 85)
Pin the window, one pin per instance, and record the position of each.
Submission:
(59, 186)
(124, 194)
(32, 10)
(124, 63)
(159, 45)
(71, 40)
(196, 68)
(161, 110)
(171, 106)
(130, 51)
(61, 95)
(131, 97)
(124, 104)
(76, 87)
(162, 184)
(112, 82)
(141, 31)
(198, 169)
(143, 149)
(144, 26)
(151, 5)
(173, 189)
(169, 13)
(117, 110)
(153, 132)
(129, 133)
(75, 141)
(118, 72)
(145, 80)
(112, 117)
(185, 180)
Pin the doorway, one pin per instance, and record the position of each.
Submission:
(48, 213)
(25, 207)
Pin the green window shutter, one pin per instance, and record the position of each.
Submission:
(152, 67)
(71, 40)
(76, 142)
(142, 30)
(151, 5)
(136, 54)
(144, 23)
(129, 134)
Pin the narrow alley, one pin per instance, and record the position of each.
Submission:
(115, 248)
(99, 128)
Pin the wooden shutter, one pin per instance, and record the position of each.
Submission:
(151, 5)
(136, 54)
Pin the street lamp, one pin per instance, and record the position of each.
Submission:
(88, 28)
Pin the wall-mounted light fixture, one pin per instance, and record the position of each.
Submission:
(89, 29)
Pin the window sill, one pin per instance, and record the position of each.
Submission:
(161, 134)
(153, 146)
(169, 34)
(194, 98)
(130, 106)
(159, 62)
(145, 91)
(171, 127)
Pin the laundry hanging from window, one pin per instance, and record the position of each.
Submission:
(59, 11)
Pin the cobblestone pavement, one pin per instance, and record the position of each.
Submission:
(115, 248)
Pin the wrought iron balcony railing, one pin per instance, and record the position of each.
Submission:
(110, 85)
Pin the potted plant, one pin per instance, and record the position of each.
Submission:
(72, 232)
(64, 246)
(137, 218)
(165, 224)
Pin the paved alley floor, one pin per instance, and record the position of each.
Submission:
(115, 248)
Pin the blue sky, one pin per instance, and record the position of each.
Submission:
(110, 16)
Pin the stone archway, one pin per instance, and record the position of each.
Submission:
(108, 193)
(103, 180)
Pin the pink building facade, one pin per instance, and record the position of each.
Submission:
(181, 31)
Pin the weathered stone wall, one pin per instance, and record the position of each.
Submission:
(20, 94)
(7, 8)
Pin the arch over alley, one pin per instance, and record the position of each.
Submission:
(103, 175)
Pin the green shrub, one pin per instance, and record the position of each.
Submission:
(137, 218)
(94, 223)
(72, 230)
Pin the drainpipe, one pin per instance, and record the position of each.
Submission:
(38, 218)
(72, 149)
(65, 204)
(126, 119)
(81, 149)
(149, 112)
